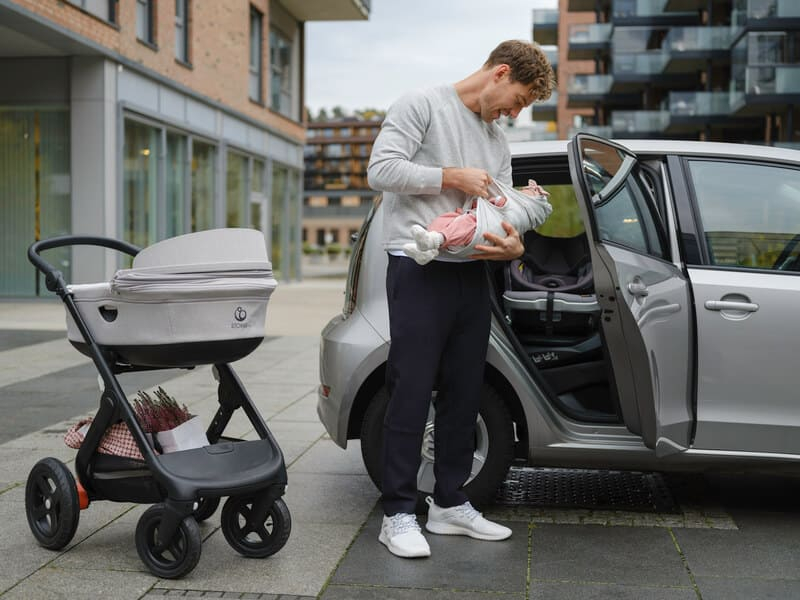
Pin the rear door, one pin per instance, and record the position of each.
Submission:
(647, 316)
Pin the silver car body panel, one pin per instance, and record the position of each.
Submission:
(747, 360)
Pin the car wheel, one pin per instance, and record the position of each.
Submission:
(494, 447)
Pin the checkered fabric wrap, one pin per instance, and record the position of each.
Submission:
(118, 440)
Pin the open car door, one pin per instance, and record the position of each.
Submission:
(646, 320)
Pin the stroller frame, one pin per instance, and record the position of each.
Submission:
(181, 481)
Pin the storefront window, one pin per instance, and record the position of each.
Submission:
(257, 197)
(293, 228)
(280, 182)
(236, 188)
(140, 183)
(176, 184)
(203, 182)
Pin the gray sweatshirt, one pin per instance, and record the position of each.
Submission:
(422, 133)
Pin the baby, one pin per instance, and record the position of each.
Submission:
(457, 229)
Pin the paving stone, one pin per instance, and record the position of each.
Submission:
(52, 583)
(714, 588)
(325, 457)
(342, 592)
(318, 498)
(621, 555)
(456, 562)
(566, 590)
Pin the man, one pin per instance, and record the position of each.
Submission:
(437, 148)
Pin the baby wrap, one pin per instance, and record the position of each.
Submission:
(522, 211)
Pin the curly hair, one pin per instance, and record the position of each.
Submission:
(528, 63)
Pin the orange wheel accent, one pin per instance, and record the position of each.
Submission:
(83, 496)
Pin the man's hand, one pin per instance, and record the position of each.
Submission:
(473, 182)
(504, 248)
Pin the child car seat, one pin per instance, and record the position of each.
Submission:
(549, 298)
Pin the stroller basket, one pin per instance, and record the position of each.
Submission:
(199, 298)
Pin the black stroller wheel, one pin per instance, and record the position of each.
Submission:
(51, 503)
(255, 540)
(206, 508)
(182, 553)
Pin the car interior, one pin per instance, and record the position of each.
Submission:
(546, 302)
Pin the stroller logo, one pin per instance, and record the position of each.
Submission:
(240, 315)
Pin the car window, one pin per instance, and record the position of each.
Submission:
(622, 198)
(750, 213)
(565, 220)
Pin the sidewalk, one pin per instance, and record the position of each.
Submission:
(733, 538)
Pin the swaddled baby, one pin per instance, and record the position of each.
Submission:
(458, 229)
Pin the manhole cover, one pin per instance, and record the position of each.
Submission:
(586, 488)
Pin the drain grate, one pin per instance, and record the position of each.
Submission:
(587, 488)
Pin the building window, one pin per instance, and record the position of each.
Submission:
(182, 30)
(236, 188)
(145, 23)
(280, 85)
(140, 183)
(102, 9)
(256, 37)
(176, 189)
(204, 157)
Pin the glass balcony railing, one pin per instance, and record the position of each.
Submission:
(589, 84)
(545, 17)
(649, 62)
(778, 79)
(746, 10)
(692, 39)
(552, 56)
(699, 104)
(590, 33)
(627, 9)
(639, 121)
(601, 130)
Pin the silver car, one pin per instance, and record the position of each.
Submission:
(651, 323)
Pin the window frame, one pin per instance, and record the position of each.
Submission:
(182, 23)
(256, 70)
(149, 14)
(705, 261)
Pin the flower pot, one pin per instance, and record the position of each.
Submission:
(185, 436)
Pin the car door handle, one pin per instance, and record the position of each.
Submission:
(729, 305)
(637, 288)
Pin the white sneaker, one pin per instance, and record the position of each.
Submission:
(402, 535)
(463, 520)
(423, 257)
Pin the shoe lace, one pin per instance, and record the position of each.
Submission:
(404, 522)
(467, 511)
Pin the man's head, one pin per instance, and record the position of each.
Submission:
(520, 75)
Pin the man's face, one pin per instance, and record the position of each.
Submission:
(503, 96)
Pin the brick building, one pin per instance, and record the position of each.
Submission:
(144, 119)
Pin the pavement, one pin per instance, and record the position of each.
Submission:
(730, 537)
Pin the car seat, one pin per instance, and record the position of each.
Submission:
(549, 299)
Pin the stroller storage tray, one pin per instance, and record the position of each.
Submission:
(177, 307)
(226, 468)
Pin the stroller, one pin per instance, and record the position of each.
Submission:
(195, 299)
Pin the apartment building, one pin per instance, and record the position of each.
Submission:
(144, 119)
(691, 69)
(336, 195)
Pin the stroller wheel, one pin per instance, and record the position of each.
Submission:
(255, 540)
(51, 503)
(179, 557)
(207, 507)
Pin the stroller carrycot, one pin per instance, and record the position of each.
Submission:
(199, 298)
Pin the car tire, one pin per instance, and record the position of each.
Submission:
(494, 433)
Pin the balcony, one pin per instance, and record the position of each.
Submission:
(765, 15)
(328, 10)
(600, 130)
(696, 111)
(639, 123)
(552, 56)
(587, 5)
(589, 40)
(585, 90)
(765, 89)
(545, 111)
(545, 27)
(689, 48)
(649, 12)
(632, 70)
(685, 5)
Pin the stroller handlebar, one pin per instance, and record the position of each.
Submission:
(54, 280)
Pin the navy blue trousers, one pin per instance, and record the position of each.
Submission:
(439, 316)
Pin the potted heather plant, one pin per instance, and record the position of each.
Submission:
(173, 427)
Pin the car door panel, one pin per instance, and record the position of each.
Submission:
(647, 318)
